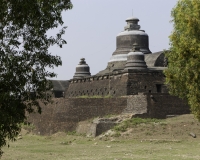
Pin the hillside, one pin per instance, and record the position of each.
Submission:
(156, 139)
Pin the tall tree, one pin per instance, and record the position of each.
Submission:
(183, 73)
(24, 56)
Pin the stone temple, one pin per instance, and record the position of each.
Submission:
(133, 84)
(132, 69)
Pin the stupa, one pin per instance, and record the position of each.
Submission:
(132, 69)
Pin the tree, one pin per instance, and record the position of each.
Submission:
(183, 73)
(24, 57)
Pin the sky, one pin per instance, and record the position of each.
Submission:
(94, 24)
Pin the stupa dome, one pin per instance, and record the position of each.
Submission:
(82, 69)
(135, 59)
(131, 34)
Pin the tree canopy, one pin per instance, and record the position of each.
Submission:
(24, 56)
(183, 73)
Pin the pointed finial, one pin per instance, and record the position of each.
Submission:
(82, 61)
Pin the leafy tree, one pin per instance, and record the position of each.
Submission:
(24, 56)
(183, 73)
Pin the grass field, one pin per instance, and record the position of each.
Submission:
(160, 140)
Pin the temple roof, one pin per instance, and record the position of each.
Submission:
(132, 19)
(60, 85)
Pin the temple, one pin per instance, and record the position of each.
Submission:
(133, 84)
(132, 69)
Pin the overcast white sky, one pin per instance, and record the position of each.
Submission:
(94, 24)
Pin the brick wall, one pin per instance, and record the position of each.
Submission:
(64, 114)
(136, 104)
(98, 86)
(121, 84)
(160, 105)
(145, 82)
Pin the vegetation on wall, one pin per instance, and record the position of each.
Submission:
(95, 96)
(24, 57)
(183, 73)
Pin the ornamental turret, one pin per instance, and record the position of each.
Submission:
(82, 69)
(135, 59)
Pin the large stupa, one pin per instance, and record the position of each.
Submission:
(124, 42)
(132, 68)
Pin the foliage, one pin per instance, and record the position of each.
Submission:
(95, 96)
(183, 73)
(74, 133)
(71, 133)
(24, 56)
(117, 134)
(133, 122)
(28, 126)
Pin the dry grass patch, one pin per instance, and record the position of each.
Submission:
(164, 140)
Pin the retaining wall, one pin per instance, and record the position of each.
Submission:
(64, 114)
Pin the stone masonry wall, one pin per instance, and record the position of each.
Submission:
(160, 105)
(146, 82)
(64, 114)
(98, 86)
(136, 104)
(119, 84)
(156, 105)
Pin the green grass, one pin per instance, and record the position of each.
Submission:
(133, 122)
(95, 96)
(74, 133)
(71, 133)
(146, 139)
(69, 147)
(27, 126)
(109, 116)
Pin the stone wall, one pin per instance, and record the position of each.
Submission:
(64, 114)
(98, 86)
(119, 84)
(145, 82)
(160, 105)
(155, 105)
(136, 104)
(54, 118)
